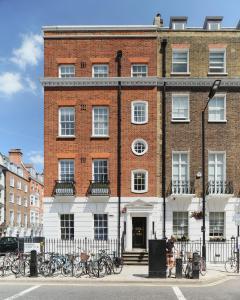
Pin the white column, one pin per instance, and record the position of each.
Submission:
(128, 232)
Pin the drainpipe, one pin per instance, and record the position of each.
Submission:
(163, 51)
(119, 143)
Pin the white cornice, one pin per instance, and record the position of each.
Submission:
(133, 81)
(98, 27)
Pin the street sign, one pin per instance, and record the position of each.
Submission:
(28, 247)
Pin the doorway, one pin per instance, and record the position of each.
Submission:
(139, 232)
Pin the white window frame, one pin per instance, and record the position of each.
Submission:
(100, 159)
(139, 65)
(93, 109)
(141, 141)
(25, 201)
(19, 200)
(25, 220)
(179, 226)
(26, 188)
(97, 236)
(146, 111)
(188, 116)
(19, 185)
(59, 121)
(11, 220)
(59, 168)
(188, 162)
(11, 197)
(184, 50)
(225, 109)
(183, 25)
(12, 181)
(209, 23)
(100, 65)
(146, 181)
(224, 222)
(221, 50)
(70, 236)
(66, 65)
(224, 164)
(19, 219)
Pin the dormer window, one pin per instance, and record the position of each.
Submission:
(212, 23)
(178, 23)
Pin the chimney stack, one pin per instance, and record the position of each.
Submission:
(15, 156)
(158, 20)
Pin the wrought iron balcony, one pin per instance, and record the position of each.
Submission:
(64, 188)
(99, 188)
(219, 187)
(182, 187)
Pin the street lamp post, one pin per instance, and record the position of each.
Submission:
(211, 94)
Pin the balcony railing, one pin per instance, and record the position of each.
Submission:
(182, 187)
(99, 188)
(219, 187)
(64, 188)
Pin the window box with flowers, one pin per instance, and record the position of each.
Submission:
(217, 239)
(198, 215)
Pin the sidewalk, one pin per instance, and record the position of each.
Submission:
(137, 275)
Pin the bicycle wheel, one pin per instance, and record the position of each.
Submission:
(15, 266)
(231, 265)
(117, 265)
(67, 269)
(79, 269)
(98, 268)
(25, 268)
(202, 267)
(44, 269)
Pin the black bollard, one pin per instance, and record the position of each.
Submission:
(33, 264)
(195, 265)
(178, 267)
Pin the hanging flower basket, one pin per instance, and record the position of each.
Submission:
(198, 215)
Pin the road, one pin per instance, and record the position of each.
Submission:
(226, 290)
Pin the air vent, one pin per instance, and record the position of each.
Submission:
(83, 160)
(83, 64)
(83, 106)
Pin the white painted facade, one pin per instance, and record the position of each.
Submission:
(151, 208)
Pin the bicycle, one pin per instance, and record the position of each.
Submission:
(231, 263)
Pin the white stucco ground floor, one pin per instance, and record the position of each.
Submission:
(141, 218)
(22, 231)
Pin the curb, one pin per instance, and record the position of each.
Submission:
(95, 281)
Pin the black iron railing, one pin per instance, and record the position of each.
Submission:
(181, 187)
(64, 188)
(99, 188)
(219, 187)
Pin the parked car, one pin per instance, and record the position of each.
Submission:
(8, 244)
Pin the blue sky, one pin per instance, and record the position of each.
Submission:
(21, 54)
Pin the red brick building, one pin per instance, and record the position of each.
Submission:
(21, 209)
(99, 155)
(81, 131)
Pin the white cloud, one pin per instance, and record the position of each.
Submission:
(10, 83)
(31, 85)
(36, 157)
(30, 51)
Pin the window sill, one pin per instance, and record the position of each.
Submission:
(180, 73)
(104, 137)
(217, 74)
(134, 123)
(72, 137)
(139, 192)
(180, 121)
(220, 121)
